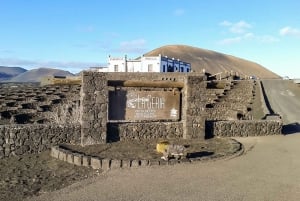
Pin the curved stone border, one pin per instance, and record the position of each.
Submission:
(80, 159)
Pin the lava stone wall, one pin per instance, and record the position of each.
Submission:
(233, 104)
(137, 131)
(94, 106)
(194, 111)
(246, 128)
(94, 99)
(34, 138)
(29, 103)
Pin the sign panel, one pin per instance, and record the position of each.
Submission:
(144, 105)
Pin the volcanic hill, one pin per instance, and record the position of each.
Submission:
(35, 75)
(213, 62)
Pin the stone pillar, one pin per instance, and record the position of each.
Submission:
(194, 106)
(94, 106)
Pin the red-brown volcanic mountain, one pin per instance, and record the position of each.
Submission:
(212, 62)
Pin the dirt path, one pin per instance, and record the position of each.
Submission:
(269, 170)
(34, 174)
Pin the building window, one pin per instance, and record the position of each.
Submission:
(170, 68)
(150, 67)
(164, 68)
(116, 68)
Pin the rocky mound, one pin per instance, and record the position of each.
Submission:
(35, 75)
(7, 73)
(213, 62)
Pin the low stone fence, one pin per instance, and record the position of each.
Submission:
(95, 162)
(24, 139)
(80, 159)
(245, 128)
(142, 131)
(28, 103)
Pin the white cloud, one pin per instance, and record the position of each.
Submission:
(229, 41)
(179, 12)
(247, 37)
(237, 39)
(238, 27)
(134, 46)
(289, 31)
(225, 23)
(267, 39)
(241, 32)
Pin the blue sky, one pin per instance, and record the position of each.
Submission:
(76, 34)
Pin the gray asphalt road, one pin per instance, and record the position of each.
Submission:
(284, 97)
(268, 171)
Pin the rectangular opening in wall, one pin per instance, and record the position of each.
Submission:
(143, 105)
(150, 67)
(116, 68)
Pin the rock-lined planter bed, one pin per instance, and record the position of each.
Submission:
(208, 150)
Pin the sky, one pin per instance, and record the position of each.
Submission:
(76, 34)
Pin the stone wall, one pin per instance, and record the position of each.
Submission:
(137, 131)
(29, 103)
(94, 106)
(233, 103)
(194, 110)
(246, 128)
(34, 138)
(94, 98)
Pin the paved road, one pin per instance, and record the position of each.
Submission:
(268, 171)
(284, 97)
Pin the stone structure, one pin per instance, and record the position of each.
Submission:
(206, 109)
(23, 139)
(97, 128)
(230, 114)
(97, 162)
(246, 128)
(234, 103)
(29, 103)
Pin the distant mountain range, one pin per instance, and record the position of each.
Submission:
(18, 74)
(212, 62)
(7, 73)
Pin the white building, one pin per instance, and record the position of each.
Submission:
(147, 64)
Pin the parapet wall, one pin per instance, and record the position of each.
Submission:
(246, 128)
(34, 138)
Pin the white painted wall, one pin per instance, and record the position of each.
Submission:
(147, 64)
(114, 62)
(134, 65)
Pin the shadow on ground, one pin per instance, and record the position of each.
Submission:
(291, 128)
(199, 154)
